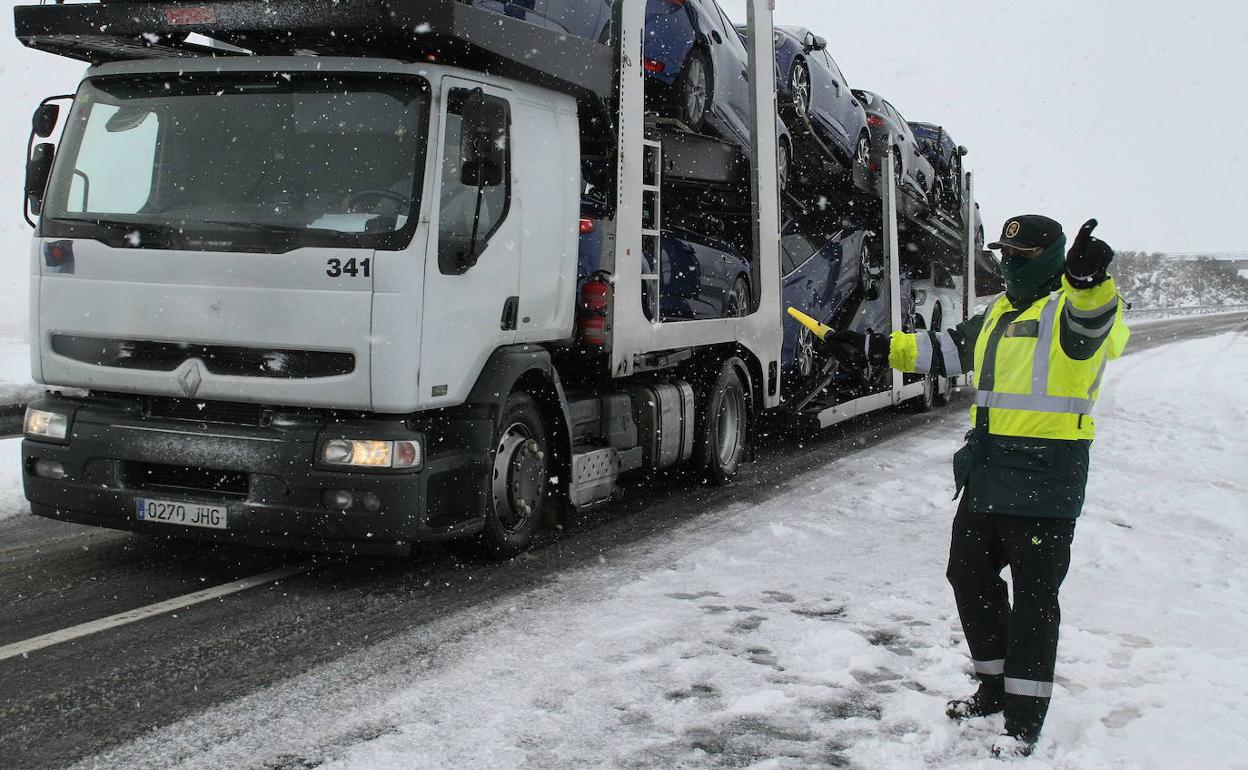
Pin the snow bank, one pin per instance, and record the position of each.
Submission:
(817, 630)
(12, 501)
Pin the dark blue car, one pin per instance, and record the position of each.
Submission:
(696, 61)
(808, 77)
(835, 274)
(945, 155)
(702, 276)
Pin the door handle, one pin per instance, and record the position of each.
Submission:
(716, 37)
(511, 310)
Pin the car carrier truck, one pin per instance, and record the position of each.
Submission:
(312, 269)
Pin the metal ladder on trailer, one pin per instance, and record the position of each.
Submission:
(631, 338)
(652, 220)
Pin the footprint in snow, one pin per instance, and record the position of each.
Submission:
(1120, 718)
(778, 597)
(820, 613)
(694, 597)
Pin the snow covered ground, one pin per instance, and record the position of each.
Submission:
(817, 630)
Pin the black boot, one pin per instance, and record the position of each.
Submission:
(988, 699)
(1024, 716)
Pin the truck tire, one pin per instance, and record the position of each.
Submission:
(723, 425)
(518, 478)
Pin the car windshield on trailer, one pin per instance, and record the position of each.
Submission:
(254, 161)
(927, 135)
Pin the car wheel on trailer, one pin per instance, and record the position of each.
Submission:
(944, 385)
(799, 84)
(785, 165)
(938, 195)
(724, 424)
(862, 151)
(691, 93)
(738, 305)
(518, 479)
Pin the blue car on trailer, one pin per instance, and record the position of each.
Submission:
(835, 273)
(703, 275)
(695, 60)
(808, 78)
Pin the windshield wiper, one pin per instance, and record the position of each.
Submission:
(262, 227)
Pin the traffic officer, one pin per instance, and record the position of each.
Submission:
(1039, 354)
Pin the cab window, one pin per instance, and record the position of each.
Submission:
(476, 180)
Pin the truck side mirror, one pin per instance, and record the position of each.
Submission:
(821, 43)
(44, 121)
(38, 169)
(482, 141)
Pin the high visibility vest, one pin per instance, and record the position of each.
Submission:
(1035, 389)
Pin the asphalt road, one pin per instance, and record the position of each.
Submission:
(75, 699)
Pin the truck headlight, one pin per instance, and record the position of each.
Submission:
(42, 424)
(372, 454)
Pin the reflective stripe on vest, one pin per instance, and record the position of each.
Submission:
(1034, 403)
(1054, 398)
(923, 342)
(949, 351)
(1039, 400)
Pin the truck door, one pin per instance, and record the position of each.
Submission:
(473, 267)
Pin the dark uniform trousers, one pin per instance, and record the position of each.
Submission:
(1013, 648)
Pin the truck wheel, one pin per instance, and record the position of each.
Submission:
(517, 481)
(724, 429)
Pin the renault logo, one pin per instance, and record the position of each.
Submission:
(190, 379)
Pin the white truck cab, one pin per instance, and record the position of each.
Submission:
(276, 230)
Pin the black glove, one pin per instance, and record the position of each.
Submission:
(858, 349)
(1088, 258)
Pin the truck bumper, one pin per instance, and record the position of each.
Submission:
(265, 478)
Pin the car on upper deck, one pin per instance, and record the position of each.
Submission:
(915, 174)
(808, 77)
(695, 62)
(945, 155)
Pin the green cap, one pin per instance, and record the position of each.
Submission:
(1028, 231)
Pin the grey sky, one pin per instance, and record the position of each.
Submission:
(1133, 112)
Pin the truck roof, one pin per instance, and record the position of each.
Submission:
(445, 31)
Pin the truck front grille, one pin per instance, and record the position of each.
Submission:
(149, 355)
(182, 479)
(226, 412)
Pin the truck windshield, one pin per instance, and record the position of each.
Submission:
(242, 161)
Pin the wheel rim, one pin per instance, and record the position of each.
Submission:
(800, 83)
(862, 156)
(696, 90)
(897, 168)
(519, 477)
(730, 427)
(785, 160)
(739, 300)
(805, 355)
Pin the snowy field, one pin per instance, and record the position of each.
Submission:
(817, 630)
